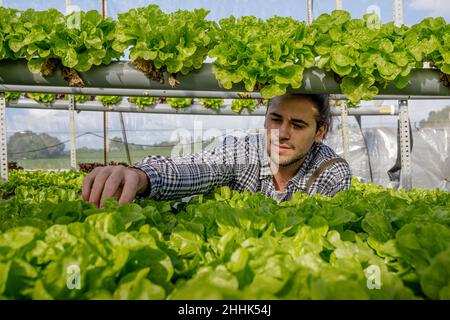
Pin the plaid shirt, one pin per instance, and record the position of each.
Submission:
(240, 163)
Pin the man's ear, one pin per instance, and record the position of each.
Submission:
(320, 134)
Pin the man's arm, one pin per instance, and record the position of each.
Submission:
(177, 177)
(169, 178)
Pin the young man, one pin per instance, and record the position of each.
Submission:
(289, 157)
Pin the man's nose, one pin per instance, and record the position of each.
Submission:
(284, 131)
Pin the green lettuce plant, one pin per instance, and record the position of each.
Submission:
(80, 98)
(362, 53)
(237, 105)
(222, 245)
(42, 97)
(49, 41)
(109, 101)
(142, 101)
(177, 42)
(429, 41)
(179, 102)
(8, 18)
(212, 103)
(10, 96)
(265, 56)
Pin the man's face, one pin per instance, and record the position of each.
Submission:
(291, 130)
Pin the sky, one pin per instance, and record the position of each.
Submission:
(151, 128)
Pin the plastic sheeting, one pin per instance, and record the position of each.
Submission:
(430, 156)
(357, 155)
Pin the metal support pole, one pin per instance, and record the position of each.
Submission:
(73, 139)
(105, 114)
(124, 136)
(397, 12)
(105, 137)
(344, 124)
(69, 7)
(359, 121)
(104, 8)
(405, 146)
(3, 141)
(309, 9)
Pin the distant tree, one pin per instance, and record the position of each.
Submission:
(135, 147)
(116, 144)
(30, 145)
(441, 117)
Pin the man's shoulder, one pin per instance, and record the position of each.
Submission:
(332, 173)
(325, 154)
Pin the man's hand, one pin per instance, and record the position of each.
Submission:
(113, 181)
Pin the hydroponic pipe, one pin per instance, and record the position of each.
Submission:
(122, 75)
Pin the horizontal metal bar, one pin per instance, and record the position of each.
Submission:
(196, 108)
(395, 97)
(14, 75)
(128, 92)
(178, 93)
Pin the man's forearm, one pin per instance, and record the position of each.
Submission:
(178, 177)
(176, 180)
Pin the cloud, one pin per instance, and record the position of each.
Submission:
(437, 8)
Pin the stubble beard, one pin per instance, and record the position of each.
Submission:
(289, 162)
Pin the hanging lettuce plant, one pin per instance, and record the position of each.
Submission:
(177, 42)
(363, 53)
(74, 43)
(266, 56)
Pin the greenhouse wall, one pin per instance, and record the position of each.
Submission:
(430, 156)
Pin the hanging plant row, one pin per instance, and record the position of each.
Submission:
(266, 56)
(237, 105)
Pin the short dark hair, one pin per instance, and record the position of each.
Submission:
(322, 104)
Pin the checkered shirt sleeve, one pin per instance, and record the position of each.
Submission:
(182, 176)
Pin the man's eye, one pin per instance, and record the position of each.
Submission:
(299, 126)
(276, 120)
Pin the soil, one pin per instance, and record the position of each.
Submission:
(12, 165)
(72, 76)
(148, 68)
(445, 78)
(172, 80)
(49, 68)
